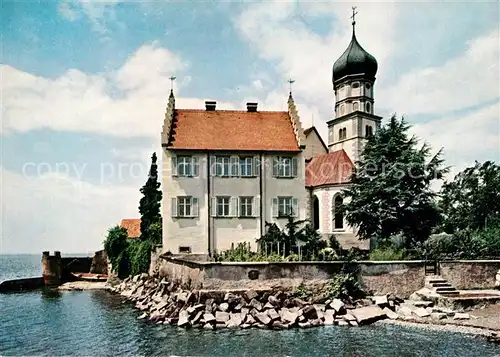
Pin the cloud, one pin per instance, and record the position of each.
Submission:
(55, 212)
(111, 104)
(465, 81)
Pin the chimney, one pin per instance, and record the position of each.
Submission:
(210, 105)
(252, 107)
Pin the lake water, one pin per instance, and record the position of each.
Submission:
(99, 324)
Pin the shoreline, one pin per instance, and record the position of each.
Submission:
(473, 331)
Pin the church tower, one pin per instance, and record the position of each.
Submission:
(353, 81)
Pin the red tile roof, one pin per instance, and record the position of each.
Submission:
(195, 129)
(133, 227)
(329, 169)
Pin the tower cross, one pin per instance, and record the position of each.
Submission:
(354, 13)
(172, 79)
(290, 82)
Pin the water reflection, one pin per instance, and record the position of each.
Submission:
(50, 293)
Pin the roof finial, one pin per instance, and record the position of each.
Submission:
(172, 79)
(291, 81)
(353, 17)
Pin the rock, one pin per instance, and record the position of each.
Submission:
(221, 317)
(381, 300)
(224, 307)
(404, 311)
(196, 308)
(182, 297)
(250, 294)
(268, 306)
(421, 312)
(424, 304)
(368, 314)
(309, 312)
(245, 326)
(256, 304)
(438, 315)
(390, 314)
(353, 323)
(273, 315)
(208, 305)
(329, 317)
(263, 318)
(208, 327)
(461, 316)
(235, 320)
(183, 319)
(337, 305)
(289, 316)
(349, 317)
(278, 325)
(304, 324)
(197, 317)
(143, 316)
(421, 295)
(273, 301)
(220, 325)
(250, 320)
(343, 323)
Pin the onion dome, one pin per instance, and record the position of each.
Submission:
(355, 60)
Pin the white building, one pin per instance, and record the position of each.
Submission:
(226, 173)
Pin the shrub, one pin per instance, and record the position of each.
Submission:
(389, 253)
(302, 292)
(140, 256)
(115, 244)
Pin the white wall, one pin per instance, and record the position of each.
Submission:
(314, 146)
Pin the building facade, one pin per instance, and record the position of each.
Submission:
(225, 174)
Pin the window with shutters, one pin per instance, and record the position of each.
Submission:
(222, 206)
(246, 206)
(222, 166)
(185, 166)
(184, 206)
(285, 166)
(246, 166)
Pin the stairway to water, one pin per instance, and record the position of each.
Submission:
(440, 286)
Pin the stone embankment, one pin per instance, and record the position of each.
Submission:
(163, 302)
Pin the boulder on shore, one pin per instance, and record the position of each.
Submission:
(368, 314)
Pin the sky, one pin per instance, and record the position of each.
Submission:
(84, 86)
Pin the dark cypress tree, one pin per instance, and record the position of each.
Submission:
(390, 191)
(149, 205)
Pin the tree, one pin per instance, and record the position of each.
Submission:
(116, 247)
(149, 205)
(472, 200)
(390, 189)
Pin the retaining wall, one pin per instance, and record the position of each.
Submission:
(399, 277)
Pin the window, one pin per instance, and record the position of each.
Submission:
(184, 206)
(184, 249)
(246, 166)
(355, 85)
(246, 205)
(222, 204)
(284, 206)
(338, 221)
(368, 107)
(285, 166)
(342, 134)
(330, 135)
(355, 106)
(185, 166)
(368, 131)
(222, 166)
(342, 109)
(368, 86)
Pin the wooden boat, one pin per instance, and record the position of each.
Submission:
(90, 276)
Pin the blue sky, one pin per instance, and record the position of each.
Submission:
(85, 84)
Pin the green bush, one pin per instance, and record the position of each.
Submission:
(302, 292)
(344, 285)
(115, 244)
(140, 256)
(389, 253)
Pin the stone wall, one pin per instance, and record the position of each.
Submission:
(399, 277)
(470, 274)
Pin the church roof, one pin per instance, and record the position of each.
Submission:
(329, 169)
(133, 227)
(354, 60)
(197, 129)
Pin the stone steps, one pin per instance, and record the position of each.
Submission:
(440, 286)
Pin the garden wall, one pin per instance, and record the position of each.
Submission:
(398, 277)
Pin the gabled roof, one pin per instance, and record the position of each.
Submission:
(329, 169)
(194, 129)
(313, 129)
(133, 227)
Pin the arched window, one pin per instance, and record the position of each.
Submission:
(368, 107)
(342, 109)
(368, 131)
(368, 86)
(338, 215)
(355, 85)
(340, 134)
(355, 106)
(344, 133)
